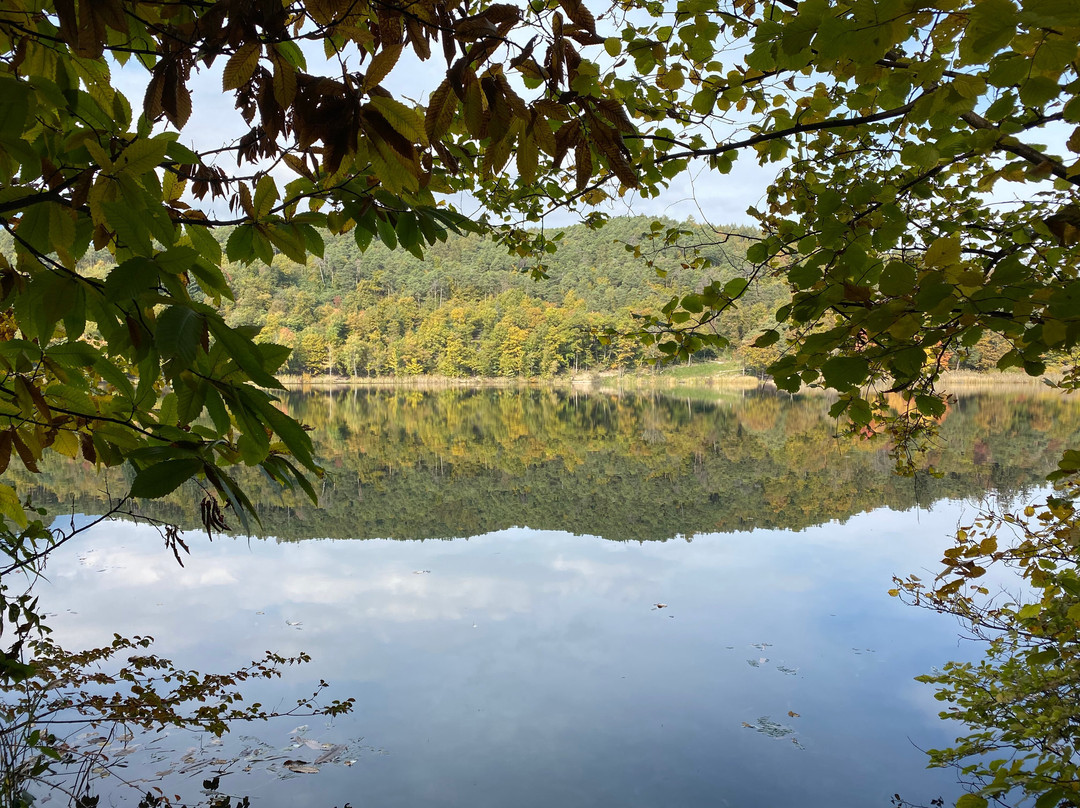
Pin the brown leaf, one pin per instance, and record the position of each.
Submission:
(24, 451)
(576, 10)
(582, 36)
(565, 138)
(175, 98)
(298, 165)
(5, 450)
(552, 109)
(513, 100)
(418, 38)
(495, 156)
(112, 14)
(475, 106)
(152, 98)
(615, 113)
(527, 157)
(610, 145)
(583, 166)
(91, 42)
(449, 43)
(503, 13)
(440, 111)
(300, 767)
(390, 27)
(69, 23)
(379, 129)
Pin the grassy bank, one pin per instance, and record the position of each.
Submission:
(723, 375)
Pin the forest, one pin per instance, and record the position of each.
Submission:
(470, 308)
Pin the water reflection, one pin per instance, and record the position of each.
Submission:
(535, 668)
(529, 666)
(422, 464)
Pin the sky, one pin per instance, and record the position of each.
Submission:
(706, 196)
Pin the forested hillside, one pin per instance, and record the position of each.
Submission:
(472, 309)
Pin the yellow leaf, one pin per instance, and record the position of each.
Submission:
(527, 157)
(405, 120)
(381, 64)
(98, 154)
(104, 190)
(11, 507)
(62, 232)
(66, 443)
(245, 200)
(142, 155)
(241, 66)
(266, 194)
(284, 80)
(172, 187)
(944, 252)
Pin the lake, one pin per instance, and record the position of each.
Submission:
(543, 598)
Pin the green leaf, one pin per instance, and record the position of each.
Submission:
(132, 226)
(1038, 91)
(240, 246)
(897, 279)
(767, 338)
(180, 332)
(162, 478)
(204, 242)
(971, 801)
(244, 352)
(844, 372)
(14, 107)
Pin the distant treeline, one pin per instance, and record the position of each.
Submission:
(470, 308)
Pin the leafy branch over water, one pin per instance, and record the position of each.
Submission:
(1022, 701)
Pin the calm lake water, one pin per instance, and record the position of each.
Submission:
(541, 599)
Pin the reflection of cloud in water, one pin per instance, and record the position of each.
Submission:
(571, 666)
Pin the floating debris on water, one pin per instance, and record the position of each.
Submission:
(300, 767)
(766, 726)
(787, 671)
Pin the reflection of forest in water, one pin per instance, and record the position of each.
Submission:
(411, 464)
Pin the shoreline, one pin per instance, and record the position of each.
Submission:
(951, 382)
